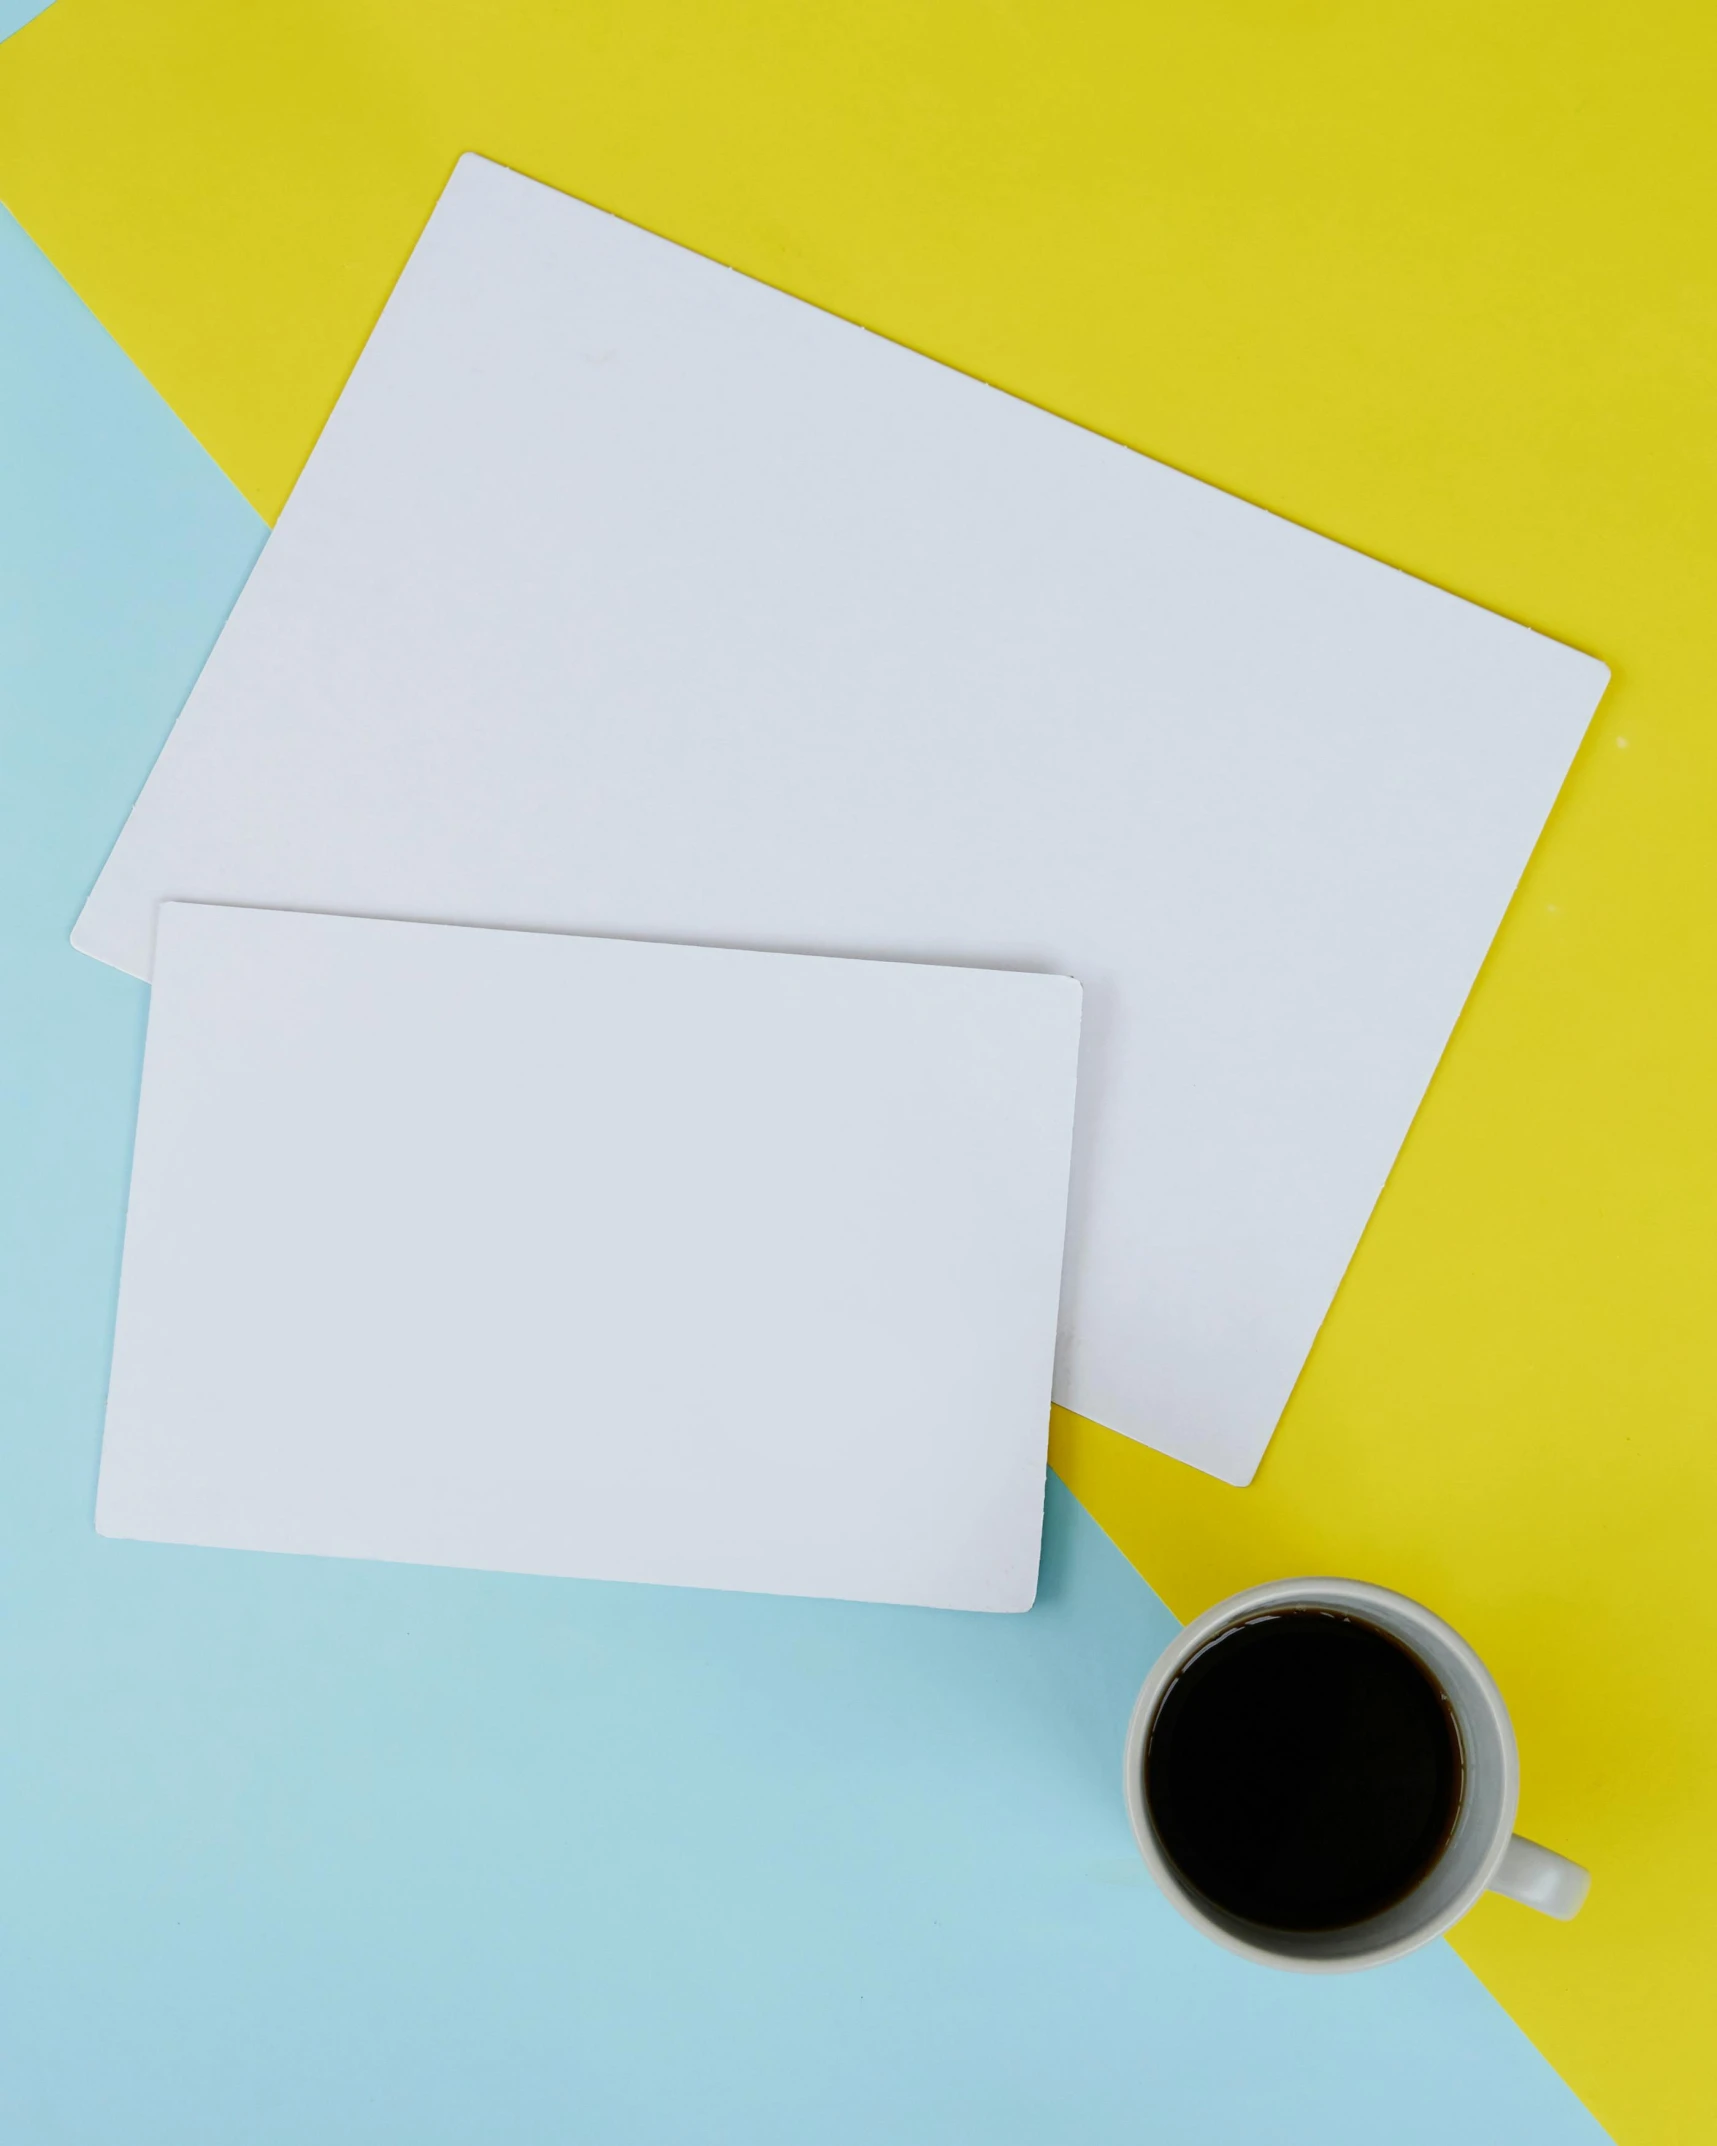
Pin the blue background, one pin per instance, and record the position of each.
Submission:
(296, 1850)
(15, 13)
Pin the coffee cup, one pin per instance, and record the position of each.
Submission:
(1322, 1776)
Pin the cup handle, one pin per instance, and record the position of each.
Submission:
(1541, 1879)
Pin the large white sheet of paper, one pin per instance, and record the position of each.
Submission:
(626, 595)
(591, 1257)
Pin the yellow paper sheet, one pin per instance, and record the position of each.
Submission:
(1438, 281)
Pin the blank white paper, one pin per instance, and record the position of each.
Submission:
(623, 594)
(593, 1258)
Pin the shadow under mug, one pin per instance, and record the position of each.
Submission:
(1482, 1853)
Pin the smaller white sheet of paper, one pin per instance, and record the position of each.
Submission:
(593, 1257)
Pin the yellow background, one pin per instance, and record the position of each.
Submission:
(1438, 280)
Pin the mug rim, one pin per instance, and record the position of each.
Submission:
(1357, 1598)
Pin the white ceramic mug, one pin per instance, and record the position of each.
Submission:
(1483, 1851)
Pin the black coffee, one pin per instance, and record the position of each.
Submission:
(1303, 1771)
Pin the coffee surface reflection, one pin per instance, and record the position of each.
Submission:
(1303, 1772)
